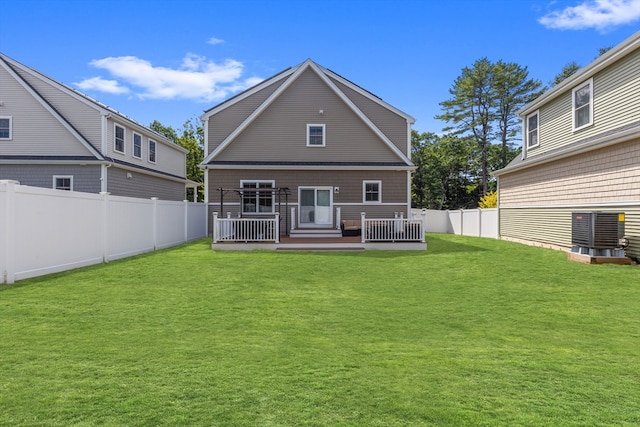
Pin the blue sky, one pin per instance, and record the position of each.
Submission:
(169, 60)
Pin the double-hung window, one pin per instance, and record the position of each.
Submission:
(372, 191)
(5, 127)
(63, 182)
(152, 151)
(583, 105)
(118, 143)
(137, 146)
(532, 133)
(316, 135)
(258, 198)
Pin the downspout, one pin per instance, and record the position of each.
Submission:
(104, 117)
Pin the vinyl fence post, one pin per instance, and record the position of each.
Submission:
(8, 204)
(105, 226)
(154, 222)
(186, 220)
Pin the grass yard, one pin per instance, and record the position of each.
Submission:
(472, 332)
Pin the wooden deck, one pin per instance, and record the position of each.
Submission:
(320, 244)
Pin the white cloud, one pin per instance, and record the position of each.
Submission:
(196, 78)
(215, 40)
(102, 85)
(598, 14)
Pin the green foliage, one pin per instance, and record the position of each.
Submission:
(489, 200)
(471, 332)
(567, 71)
(191, 137)
(483, 106)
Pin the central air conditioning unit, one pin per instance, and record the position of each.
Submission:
(598, 233)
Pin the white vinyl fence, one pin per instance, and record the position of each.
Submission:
(44, 231)
(467, 222)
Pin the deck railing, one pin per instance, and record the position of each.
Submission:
(246, 229)
(397, 229)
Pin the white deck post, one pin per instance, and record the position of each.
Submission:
(424, 225)
(293, 219)
(338, 218)
(277, 227)
(363, 230)
(215, 227)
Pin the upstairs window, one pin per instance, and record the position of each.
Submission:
(137, 146)
(118, 143)
(61, 182)
(257, 201)
(315, 136)
(532, 130)
(583, 105)
(5, 127)
(152, 151)
(372, 191)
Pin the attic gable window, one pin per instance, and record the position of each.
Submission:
(118, 143)
(5, 127)
(532, 123)
(583, 105)
(315, 135)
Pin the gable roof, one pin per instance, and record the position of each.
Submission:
(291, 75)
(611, 56)
(12, 66)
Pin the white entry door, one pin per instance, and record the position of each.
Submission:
(316, 206)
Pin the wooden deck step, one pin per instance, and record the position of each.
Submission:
(315, 233)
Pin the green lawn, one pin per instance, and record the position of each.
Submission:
(471, 332)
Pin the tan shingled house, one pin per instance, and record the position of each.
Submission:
(581, 152)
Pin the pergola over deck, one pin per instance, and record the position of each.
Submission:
(277, 193)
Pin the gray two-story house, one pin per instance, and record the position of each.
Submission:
(314, 139)
(53, 136)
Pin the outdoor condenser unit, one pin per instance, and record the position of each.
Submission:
(598, 233)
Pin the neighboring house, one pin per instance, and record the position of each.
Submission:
(581, 152)
(53, 136)
(313, 141)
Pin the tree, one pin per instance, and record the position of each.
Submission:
(512, 90)
(567, 71)
(472, 108)
(447, 174)
(192, 138)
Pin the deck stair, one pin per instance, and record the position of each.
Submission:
(315, 233)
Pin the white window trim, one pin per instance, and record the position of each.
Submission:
(155, 151)
(324, 134)
(56, 177)
(133, 145)
(258, 181)
(573, 105)
(124, 138)
(10, 128)
(526, 126)
(364, 192)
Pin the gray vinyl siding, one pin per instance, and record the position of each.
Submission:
(394, 184)
(85, 178)
(616, 103)
(169, 158)
(143, 186)
(35, 131)
(390, 123)
(552, 226)
(349, 198)
(224, 122)
(280, 132)
(83, 117)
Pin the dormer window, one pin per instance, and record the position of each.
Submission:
(316, 135)
(583, 105)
